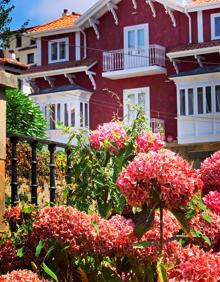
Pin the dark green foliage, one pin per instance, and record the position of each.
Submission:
(23, 115)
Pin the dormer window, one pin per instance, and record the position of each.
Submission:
(215, 26)
(58, 50)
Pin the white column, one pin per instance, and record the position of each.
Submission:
(78, 46)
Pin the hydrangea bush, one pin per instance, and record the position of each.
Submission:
(134, 212)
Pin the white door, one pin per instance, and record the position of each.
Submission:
(136, 46)
(134, 100)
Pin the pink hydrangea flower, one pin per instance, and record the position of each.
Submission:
(149, 141)
(196, 266)
(21, 276)
(13, 214)
(165, 173)
(212, 201)
(210, 173)
(112, 132)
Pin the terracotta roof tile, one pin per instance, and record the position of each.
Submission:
(194, 46)
(197, 2)
(67, 20)
(57, 66)
(13, 62)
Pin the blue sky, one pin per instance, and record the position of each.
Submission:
(42, 11)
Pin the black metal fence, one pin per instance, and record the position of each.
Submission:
(34, 142)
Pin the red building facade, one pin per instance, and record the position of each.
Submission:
(161, 55)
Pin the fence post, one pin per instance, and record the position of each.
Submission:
(2, 156)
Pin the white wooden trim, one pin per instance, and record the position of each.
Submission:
(66, 40)
(78, 45)
(39, 52)
(200, 27)
(213, 16)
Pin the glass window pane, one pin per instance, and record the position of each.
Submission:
(208, 99)
(131, 39)
(217, 26)
(62, 50)
(58, 113)
(141, 42)
(54, 51)
(86, 115)
(52, 117)
(190, 101)
(182, 102)
(81, 114)
(200, 100)
(217, 97)
(73, 116)
(66, 115)
(141, 102)
(131, 107)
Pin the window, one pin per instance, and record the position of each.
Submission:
(58, 50)
(30, 58)
(199, 100)
(215, 26)
(32, 42)
(135, 100)
(18, 41)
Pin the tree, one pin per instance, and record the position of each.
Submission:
(5, 19)
(23, 115)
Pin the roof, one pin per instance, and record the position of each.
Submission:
(59, 89)
(65, 65)
(15, 63)
(197, 71)
(194, 46)
(65, 21)
(197, 2)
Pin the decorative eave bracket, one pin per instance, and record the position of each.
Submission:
(93, 23)
(150, 3)
(112, 7)
(70, 77)
(91, 77)
(170, 13)
(199, 60)
(134, 2)
(50, 80)
(175, 65)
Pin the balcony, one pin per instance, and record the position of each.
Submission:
(119, 64)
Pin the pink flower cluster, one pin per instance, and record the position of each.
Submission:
(8, 258)
(149, 141)
(113, 133)
(210, 173)
(163, 173)
(212, 201)
(13, 214)
(21, 276)
(95, 235)
(196, 266)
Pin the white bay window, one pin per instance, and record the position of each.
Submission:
(58, 50)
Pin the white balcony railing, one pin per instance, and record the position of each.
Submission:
(134, 58)
(157, 125)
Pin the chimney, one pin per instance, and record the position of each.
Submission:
(66, 13)
(12, 55)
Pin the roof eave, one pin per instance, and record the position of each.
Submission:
(53, 32)
(189, 53)
(202, 7)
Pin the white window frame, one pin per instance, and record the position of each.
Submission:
(136, 91)
(213, 17)
(144, 26)
(66, 40)
(195, 98)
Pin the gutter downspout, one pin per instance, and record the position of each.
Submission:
(85, 44)
(190, 26)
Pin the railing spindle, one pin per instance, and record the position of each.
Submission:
(52, 149)
(34, 173)
(14, 176)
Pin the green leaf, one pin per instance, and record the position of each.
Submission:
(39, 248)
(206, 217)
(94, 223)
(21, 252)
(183, 220)
(143, 221)
(162, 273)
(27, 210)
(198, 234)
(141, 245)
(49, 272)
